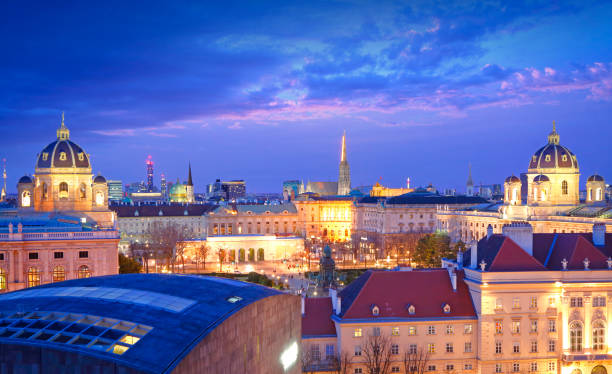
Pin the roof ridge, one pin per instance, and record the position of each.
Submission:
(530, 257)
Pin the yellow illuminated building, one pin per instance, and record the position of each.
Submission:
(325, 217)
(379, 190)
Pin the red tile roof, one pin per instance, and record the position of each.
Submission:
(316, 320)
(393, 291)
(511, 257)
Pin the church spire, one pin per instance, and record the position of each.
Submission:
(469, 181)
(63, 133)
(189, 180)
(343, 152)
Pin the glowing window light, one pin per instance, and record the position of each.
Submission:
(289, 356)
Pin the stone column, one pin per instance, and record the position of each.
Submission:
(564, 328)
(588, 330)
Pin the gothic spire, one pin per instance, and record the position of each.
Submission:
(343, 153)
(469, 181)
(189, 180)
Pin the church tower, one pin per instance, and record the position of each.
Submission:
(189, 187)
(344, 177)
(469, 190)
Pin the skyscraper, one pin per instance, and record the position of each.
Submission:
(344, 177)
(149, 163)
(164, 188)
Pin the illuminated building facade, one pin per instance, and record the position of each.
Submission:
(115, 190)
(182, 192)
(249, 219)
(515, 302)
(547, 196)
(324, 217)
(149, 163)
(379, 190)
(62, 228)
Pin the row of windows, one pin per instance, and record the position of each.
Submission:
(56, 255)
(59, 274)
(415, 369)
(533, 367)
(516, 302)
(412, 330)
(413, 348)
(516, 326)
(533, 346)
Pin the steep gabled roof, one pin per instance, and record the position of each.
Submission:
(392, 291)
(511, 257)
(316, 320)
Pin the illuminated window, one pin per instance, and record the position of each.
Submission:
(395, 331)
(33, 277)
(498, 367)
(59, 274)
(25, 199)
(498, 326)
(498, 303)
(411, 309)
(564, 187)
(358, 332)
(81, 156)
(412, 330)
(82, 191)
(467, 347)
(575, 337)
(599, 332)
(552, 345)
(45, 156)
(467, 328)
(547, 158)
(450, 329)
(45, 193)
(552, 325)
(375, 310)
(516, 327)
(552, 301)
(62, 156)
(431, 348)
(533, 302)
(533, 367)
(534, 325)
(83, 272)
(2, 279)
(63, 190)
(552, 366)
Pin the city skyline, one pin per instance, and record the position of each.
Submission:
(421, 91)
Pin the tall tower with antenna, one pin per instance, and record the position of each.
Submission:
(149, 163)
(3, 193)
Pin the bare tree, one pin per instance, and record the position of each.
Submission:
(377, 354)
(221, 254)
(166, 240)
(307, 360)
(345, 362)
(201, 251)
(415, 362)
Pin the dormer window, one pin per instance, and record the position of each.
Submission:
(185, 213)
(136, 213)
(564, 158)
(547, 158)
(62, 156)
(45, 156)
(267, 212)
(534, 158)
(446, 308)
(375, 310)
(411, 309)
(81, 156)
(160, 213)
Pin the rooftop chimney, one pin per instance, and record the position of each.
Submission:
(474, 255)
(489, 231)
(333, 293)
(453, 279)
(459, 260)
(599, 234)
(303, 303)
(521, 233)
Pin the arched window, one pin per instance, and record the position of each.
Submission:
(535, 194)
(83, 272)
(564, 187)
(514, 195)
(25, 199)
(100, 198)
(59, 274)
(82, 191)
(590, 194)
(543, 194)
(599, 335)
(575, 337)
(598, 194)
(599, 369)
(44, 191)
(2, 280)
(33, 277)
(63, 190)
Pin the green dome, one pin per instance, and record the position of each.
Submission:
(178, 193)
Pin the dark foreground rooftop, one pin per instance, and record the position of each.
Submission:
(148, 322)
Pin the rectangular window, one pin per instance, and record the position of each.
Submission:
(516, 347)
(498, 368)
(431, 348)
(516, 303)
(533, 325)
(395, 349)
(449, 347)
(576, 302)
(412, 349)
(412, 330)
(552, 345)
(552, 366)
(467, 347)
(516, 367)
(467, 367)
(467, 328)
(315, 353)
(431, 367)
(357, 333)
(498, 347)
(376, 331)
(516, 327)
(499, 304)
(395, 331)
(357, 350)
(58, 254)
(329, 351)
(533, 302)
(552, 325)
(552, 301)
(450, 330)
(83, 254)
(498, 326)
(533, 367)
(450, 367)
(33, 255)
(395, 369)
(358, 370)
(1, 256)
(599, 301)
(534, 346)
(431, 330)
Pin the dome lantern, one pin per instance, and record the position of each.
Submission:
(63, 133)
(553, 137)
